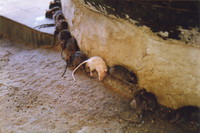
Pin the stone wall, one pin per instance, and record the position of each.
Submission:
(167, 68)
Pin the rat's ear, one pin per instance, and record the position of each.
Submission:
(105, 70)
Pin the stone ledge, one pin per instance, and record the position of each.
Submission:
(17, 20)
(19, 32)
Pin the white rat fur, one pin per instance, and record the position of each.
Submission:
(94, 63)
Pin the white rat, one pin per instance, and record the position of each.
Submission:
(94, 63)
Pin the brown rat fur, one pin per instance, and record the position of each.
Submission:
(123, 74)
(144, 101)
(75, 60)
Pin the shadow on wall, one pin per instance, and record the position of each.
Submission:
(158, 15)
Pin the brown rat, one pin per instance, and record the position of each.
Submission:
(75, 60)
(78, 58)
(61, 25)
(54, 4)
(58, 15)
(71, 47)
(123, 74)
(186, 114)
(63, 36)
(144, 101)
(49, 13)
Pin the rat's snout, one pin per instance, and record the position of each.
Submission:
(102, 75)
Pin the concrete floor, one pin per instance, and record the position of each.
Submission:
(27, 12)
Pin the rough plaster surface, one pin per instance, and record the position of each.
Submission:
(167, 68)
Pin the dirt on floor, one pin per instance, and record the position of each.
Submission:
(34, 98)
